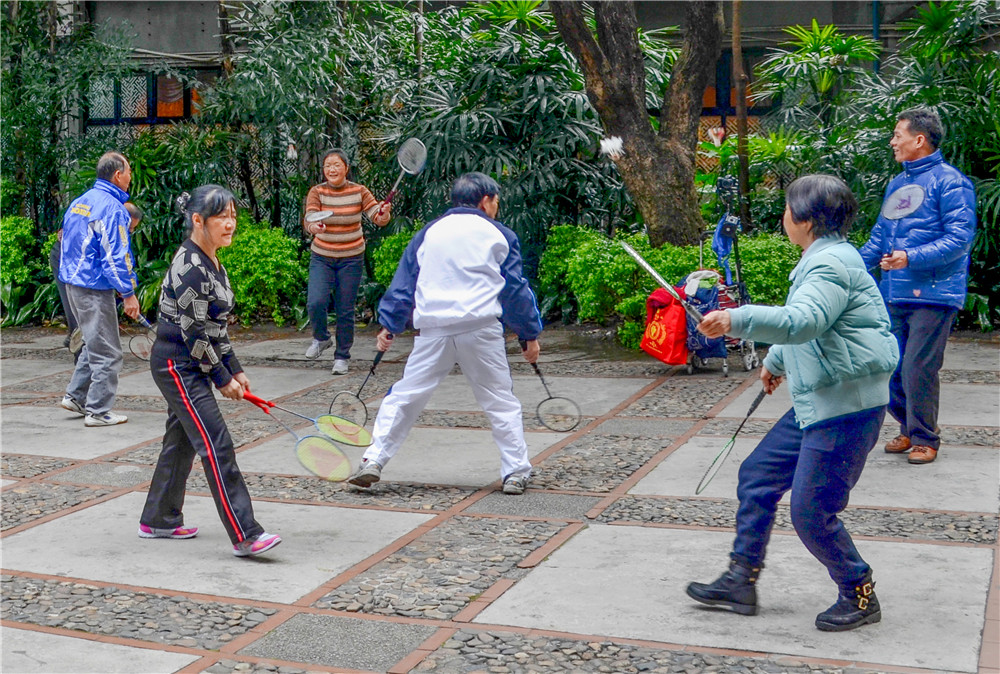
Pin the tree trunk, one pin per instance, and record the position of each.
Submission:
(243, 153)
(50, 203)
(740, 77)
(658, 168)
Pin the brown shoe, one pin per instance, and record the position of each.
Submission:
(897, 445)
(922, 454)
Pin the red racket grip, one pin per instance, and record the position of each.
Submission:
(259, 402)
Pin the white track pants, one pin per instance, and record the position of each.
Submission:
(483, 360)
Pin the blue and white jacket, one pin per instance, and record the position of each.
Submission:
(930, 212)
(459, 273)
(96, 250)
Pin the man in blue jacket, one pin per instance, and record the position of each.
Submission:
(96, 262)
(459, 277)
(921, 241)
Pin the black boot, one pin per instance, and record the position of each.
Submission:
(855, 607)
(735, 590)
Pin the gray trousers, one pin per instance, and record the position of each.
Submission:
(95, 380)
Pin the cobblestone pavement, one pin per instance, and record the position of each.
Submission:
(465, 549)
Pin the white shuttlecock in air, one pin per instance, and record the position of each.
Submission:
(614, 147)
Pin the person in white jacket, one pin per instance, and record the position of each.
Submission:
(458, 282)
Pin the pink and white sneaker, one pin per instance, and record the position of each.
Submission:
(256, 546)
(179, 532)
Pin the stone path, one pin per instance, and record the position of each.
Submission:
(435, 570)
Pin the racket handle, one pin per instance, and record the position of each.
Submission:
(523, 343)
(258, 401)
(141, 320)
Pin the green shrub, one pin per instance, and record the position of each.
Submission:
(11, 197)
(267, 271)
(385, 258)
(21, 252)
(594, 274)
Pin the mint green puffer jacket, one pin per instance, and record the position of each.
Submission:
(832, 339)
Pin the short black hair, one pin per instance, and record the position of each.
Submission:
(109, 164)
(823, 200)
(207, 201)
(469, 189)
(926, 122)
(134, 211)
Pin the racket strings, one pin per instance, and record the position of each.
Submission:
(349, 406)
(558, 414)
(323, 458)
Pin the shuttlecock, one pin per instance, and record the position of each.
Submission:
(614, 147)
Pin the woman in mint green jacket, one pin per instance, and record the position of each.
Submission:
(832, 342)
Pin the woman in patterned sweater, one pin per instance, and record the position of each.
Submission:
(191, 353)
(338, 249)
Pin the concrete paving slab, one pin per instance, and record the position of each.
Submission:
(110, 474)
(341, 642)
(29, 652)
(535, 504)
(430, 455)
(963, 478)
(18, 371)
(317, 544)
(594, 395)
(635, 578)
(269, 382)
(362, 352)
(961, 405)
(971, 356)
(44, 342)
(4, 483)
(52, 431)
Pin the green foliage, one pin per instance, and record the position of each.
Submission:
(27, 290)
(386, 257)
(11, 197)
(267, 272)
(591, 277)
(19, 241)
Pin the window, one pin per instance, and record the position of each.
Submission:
(144, 98)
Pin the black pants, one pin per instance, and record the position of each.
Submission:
(194, 426)
(340, 277)
(914, 390)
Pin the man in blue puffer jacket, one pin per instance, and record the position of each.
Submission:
(96, 262)
(921, 241)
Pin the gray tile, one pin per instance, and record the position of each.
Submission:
(535, 504)
(112, 475)
(333, 641)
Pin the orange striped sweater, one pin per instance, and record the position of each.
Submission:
(343, 236)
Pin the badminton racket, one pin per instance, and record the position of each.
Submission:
(343, 431)
(411, 156)
(691, 311)
(556, 413)
(318, 454)
(720, 458)
(349, 405)
(141, 345)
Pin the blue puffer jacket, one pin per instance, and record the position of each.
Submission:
(831, 338)
(96, 250)
(930, 212)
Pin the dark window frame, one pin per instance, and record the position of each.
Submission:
(152, 101)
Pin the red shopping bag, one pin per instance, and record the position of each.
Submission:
(666, 329)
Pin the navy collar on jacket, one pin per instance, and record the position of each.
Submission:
(470, 211)
(112, 189)
(924, 163)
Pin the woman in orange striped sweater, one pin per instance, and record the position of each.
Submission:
(338, 249)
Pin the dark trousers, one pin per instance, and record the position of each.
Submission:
(340, 277)
(195, 427)
(820, 464)
(54, 258)
(914, 390)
